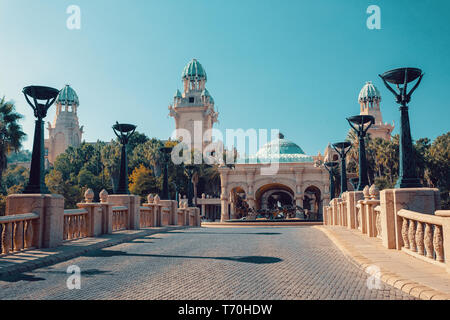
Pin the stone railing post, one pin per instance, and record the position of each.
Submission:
(48, 230)
(94, 216)
(107, 213)
(423, 200)
(371, 215)
(133, 203)
(352, 199)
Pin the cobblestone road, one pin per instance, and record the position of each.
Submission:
(208, 263)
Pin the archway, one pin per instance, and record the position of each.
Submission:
(312, 200)
(272, 195)
(238, 202)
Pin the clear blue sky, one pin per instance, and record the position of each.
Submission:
(292, 65)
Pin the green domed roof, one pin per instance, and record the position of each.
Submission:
(369, 93)
(194, 70)
(67, 96)
(280, 150)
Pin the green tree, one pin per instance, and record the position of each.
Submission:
(11, 134)
(142, 182)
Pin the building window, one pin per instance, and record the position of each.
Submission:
(191, 100)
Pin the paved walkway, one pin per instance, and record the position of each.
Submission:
(412, 275)
(207, 263)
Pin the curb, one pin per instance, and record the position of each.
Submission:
(64, 256)
(408, 286)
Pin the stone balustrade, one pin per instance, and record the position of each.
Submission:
(40, 221)
(18, 232)
(423, 235)
(75, 224)
(119, 218)
(402, 219)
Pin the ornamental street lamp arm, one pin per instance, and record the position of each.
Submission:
(353, 127)
(29, 102)
(415, 86)
(367, 128)
(348, 150)
(390, 88)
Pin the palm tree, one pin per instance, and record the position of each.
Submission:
(11, 134)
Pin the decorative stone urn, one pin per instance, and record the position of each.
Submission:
(89, 196)
(103, 196)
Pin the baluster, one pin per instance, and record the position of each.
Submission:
(70, 235)
(79, 226)
(405, 233)
(18, 236)
(378, 223)
(83, 231)
(428, 240)
(419, 238)
(437, 243)
(6, 238)
(66, 228)
(29, 234)
(412, 235)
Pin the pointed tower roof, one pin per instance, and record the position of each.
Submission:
(194, 70)
(67, 96)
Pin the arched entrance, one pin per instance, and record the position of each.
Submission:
(273, 195)
(238, 202)
(312, 200)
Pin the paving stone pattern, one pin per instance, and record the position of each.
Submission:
(207, 263)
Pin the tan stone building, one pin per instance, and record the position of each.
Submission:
(369, 99)
(299, 180)
(65, 130)
(193, 110)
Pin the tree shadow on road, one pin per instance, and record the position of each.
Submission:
(20, 277)
(245, 259)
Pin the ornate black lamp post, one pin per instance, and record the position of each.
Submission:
(123, 132)
(330, 166)
(190, 168)
(36, 183)
(343, 148)
(407, 171)
(361, 124)
(354, 182)
(166, 151)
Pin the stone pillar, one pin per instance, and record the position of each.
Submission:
(132, 202)
(423, 200)
(94, 218)
(48, 232)
(352, 199)
(168, 211)
(203, 210)
(251, 203)
(193, 216)
(224, 209)
(106, 209)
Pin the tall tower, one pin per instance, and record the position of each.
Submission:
(65, 131)
(193, 109)
(369, 99)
